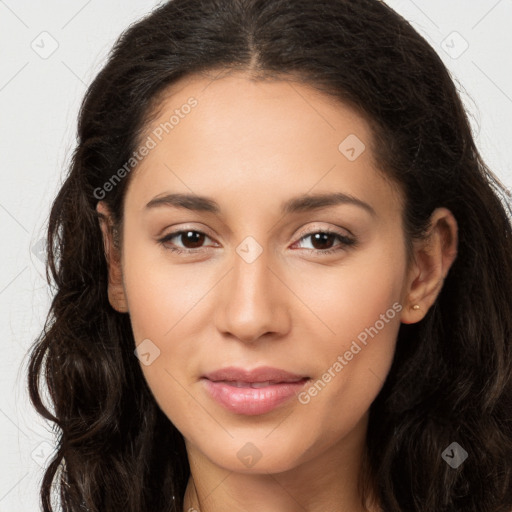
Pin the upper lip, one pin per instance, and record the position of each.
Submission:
(260, 374)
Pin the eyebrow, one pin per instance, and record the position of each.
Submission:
(302, 203)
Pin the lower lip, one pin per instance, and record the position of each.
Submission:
(252, 401)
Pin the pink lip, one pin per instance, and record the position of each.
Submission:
(221, 386)
(260, 374)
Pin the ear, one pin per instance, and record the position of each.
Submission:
(116, 292)
(433, 258)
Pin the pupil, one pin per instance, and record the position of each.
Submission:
(322, 237)
(190, 235)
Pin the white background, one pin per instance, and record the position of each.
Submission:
(39, 101)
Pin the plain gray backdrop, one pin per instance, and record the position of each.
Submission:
(50, 53)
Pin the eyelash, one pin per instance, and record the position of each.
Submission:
(346, 242)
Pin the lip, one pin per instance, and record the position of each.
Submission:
(260, 374)
(224, 387)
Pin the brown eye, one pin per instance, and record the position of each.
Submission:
(322, 242)
(191, 240)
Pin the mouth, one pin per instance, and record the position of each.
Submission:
(257, 385)
(262, 374)
(252, 392)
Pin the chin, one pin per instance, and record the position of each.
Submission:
(255, 457)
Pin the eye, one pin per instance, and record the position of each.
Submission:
(327, 237)
(193, 240)
(188, 237)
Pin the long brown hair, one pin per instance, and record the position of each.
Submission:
(451, 379)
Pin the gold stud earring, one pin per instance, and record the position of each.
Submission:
(415, 306)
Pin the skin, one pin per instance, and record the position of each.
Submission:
(289, 308)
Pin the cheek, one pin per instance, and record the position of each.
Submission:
(351, 298)
(171, 304)
(360, 312)
(355, 364)
(161, 294)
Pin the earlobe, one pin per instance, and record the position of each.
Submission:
(433, 257)
(116, 293)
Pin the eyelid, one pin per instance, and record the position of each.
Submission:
(176, 231)
(316, 228)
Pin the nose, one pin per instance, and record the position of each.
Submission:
(254, 301)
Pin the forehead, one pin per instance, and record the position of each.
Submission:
(258, 110)
(212, 135)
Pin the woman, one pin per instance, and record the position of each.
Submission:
(204, 350)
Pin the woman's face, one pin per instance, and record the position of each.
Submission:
(293, 257)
